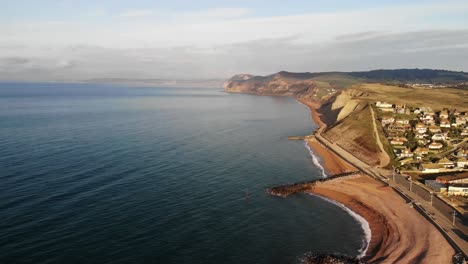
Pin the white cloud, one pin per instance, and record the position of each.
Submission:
(221, 42)
(137, 13)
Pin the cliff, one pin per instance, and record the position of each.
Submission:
(300, 85)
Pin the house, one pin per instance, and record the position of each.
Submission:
(402, 121)
(453, 178)
(386, 120)
(406, 153)
(462, 162)
(421, 128)
(460, 121)
(430, 168)
(421, 151)
(421, 136)
(458, 189)
(435, 146)
(444, 114)
(462, 153)
(439, 137)
(446, 163)
(383, 105)
(464, 133)
(434, 129)
(445, 123)
(398, 141)
(436, 186)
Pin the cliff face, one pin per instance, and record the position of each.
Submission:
(299, 85)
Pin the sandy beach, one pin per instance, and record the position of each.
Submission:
(399, 234)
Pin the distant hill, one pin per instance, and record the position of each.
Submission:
(414, 76)
(323, 85)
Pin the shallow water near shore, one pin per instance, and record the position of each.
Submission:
(111, 174)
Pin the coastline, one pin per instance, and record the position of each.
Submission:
(397, 232)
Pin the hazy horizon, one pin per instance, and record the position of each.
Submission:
(65, 40)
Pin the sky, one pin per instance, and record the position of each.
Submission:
(88, 39)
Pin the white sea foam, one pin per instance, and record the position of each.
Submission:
(364, 224)
(315, 159)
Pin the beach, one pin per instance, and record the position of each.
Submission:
(399, 234)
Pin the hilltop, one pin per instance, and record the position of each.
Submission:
(322, 85)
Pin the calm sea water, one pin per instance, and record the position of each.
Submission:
(110, 174)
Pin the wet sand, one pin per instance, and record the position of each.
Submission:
(399, 233)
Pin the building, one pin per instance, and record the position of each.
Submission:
(462, 162)
(402, 121)
(430, 167)
(439, 137)
(446, 163)
(435, 146)
(458, 189)
(421, 128)
(434, 129)
(406, 153)
(462, 153)
(386, 120)
(453, 178)
(436, 186)
(464, 133)
(383, 105)
(421, 136)
(460, 121)
(421, 151)
(398, 141)
(444, 114)
(445, 123)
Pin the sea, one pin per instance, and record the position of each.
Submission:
(98, 173)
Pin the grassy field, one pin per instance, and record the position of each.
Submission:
(338, 81)
(434, 98)
(355, 133)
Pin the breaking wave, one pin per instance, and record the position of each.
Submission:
(362, 221)
(315, 160)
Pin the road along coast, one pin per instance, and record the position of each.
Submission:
(398, 232)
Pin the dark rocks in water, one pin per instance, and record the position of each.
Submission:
(329, 259)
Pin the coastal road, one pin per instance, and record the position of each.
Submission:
(437, 218)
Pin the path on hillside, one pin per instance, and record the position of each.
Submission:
(384, 158)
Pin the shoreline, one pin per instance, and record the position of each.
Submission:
(391, 236)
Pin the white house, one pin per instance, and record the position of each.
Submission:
(421, 128)
(462, 162)
(458, 189)
(464, 133)
(430, 168)
(398, 141)
(435, 146)
(445, 123)
(439, 137)
(460, 121)
(402, 121)
(387, 120)
(406, 153)
(383, 105)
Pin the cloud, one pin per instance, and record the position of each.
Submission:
(217, 13)
(215, 43)
(137, 13)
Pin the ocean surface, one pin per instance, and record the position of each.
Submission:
(93, 173)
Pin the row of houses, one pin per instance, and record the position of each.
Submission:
(455, 184)
(429, 136)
